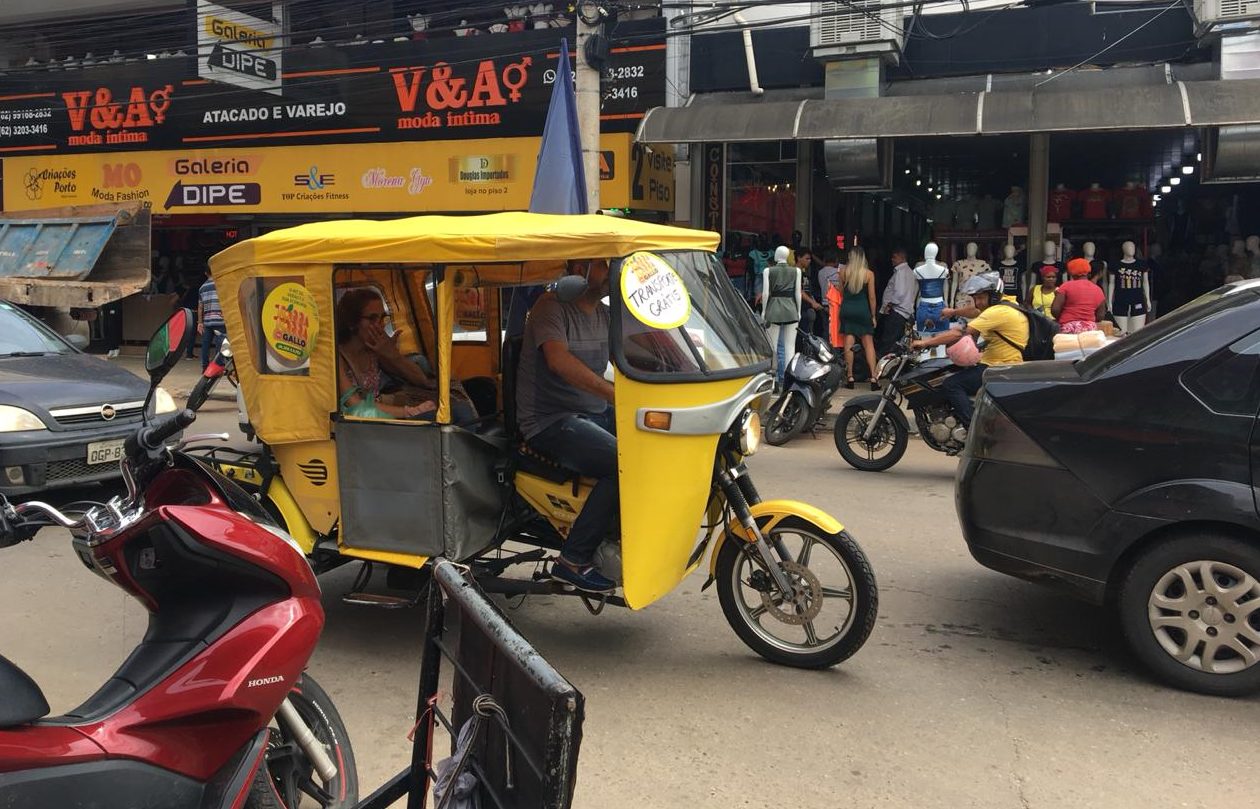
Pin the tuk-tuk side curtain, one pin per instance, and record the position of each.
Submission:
(289, 381)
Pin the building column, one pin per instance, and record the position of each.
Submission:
(805, 190)
(1038, 191)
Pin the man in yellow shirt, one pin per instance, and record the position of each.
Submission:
(1004, 329)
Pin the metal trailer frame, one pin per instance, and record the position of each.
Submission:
(528, 718)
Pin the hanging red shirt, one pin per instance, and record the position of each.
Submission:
(1094, 203)
(1132, 203)
(1060, 208)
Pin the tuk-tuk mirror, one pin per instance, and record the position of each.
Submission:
(168, 344)
(570, 288)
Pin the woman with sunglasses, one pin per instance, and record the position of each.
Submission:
(364, 347)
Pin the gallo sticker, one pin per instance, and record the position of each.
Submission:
(290, 321)
(653, 291)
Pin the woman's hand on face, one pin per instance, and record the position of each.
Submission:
(380, 343)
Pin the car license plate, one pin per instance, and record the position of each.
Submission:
(105, 451)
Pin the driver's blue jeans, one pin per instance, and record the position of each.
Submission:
(586, 444)
(960, 388)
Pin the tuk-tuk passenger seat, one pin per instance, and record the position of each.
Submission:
(527, 459)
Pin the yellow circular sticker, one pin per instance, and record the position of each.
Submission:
(290, 321)
(653, 292)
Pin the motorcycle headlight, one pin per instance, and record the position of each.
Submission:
(225, 348)
(163, 402)
(882, 366)
(14, 419)
(824, 354)
(750, 432)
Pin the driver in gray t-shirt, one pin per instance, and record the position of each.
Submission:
(564, 411)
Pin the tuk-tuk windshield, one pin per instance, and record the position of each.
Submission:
(677, 316)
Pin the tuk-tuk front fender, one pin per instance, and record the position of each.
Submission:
(281, 498)
(768, 514)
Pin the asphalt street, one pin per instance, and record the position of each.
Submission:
(974, 689)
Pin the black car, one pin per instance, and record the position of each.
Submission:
(63, 414)
(1129, 479)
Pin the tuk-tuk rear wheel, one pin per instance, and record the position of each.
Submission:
(744, 587)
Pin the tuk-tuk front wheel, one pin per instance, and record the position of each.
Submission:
(831, 612)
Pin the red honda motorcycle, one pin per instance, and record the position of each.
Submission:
(212, 710)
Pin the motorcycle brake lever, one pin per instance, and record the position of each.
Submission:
(188, 439)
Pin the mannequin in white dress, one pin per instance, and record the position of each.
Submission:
(964, 269)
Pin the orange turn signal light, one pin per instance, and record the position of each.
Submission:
(657, 420)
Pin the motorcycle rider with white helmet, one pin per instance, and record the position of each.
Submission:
(1004, 329)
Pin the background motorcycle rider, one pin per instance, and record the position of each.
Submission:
(1004, 329)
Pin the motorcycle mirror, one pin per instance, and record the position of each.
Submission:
(569, 288)
(168, 344)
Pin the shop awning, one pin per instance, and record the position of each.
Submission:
(1158, 106)
(74, 257)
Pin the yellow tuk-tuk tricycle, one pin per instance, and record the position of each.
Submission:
(688, 362)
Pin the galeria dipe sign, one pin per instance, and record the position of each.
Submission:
(235, 48)
(466, 175)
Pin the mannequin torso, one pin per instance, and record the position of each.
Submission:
(962, 271)
(931, 277)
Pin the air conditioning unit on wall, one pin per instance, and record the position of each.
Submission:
(1209, 13)
(858, 27)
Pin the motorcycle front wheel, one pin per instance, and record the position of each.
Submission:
(838, 605)
(201, 392)
(289, 780)
(786, 418)
(882, 450)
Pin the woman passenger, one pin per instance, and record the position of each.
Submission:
(363, 348)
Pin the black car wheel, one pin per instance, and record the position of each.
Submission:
(882, 450)
(1190, 609)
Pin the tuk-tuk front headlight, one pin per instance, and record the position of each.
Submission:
(750, 432)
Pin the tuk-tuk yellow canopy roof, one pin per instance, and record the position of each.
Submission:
(499, 237)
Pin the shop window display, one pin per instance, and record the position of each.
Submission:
(761, 195)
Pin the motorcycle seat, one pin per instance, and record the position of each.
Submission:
(21, 701)
(533, 462)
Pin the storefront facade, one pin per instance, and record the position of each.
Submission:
(402, 126)
(927, 137)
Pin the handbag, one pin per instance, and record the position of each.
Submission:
(964, 353)
(365, 408)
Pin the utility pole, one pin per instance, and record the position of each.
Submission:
(590, 24)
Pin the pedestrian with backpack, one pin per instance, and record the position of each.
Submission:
(1001, 323)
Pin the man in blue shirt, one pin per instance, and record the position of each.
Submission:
(209, 321)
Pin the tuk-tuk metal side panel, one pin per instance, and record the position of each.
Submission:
(391, 486)
(417, 489)
(309, 471)
(665, 482)
(472, 497)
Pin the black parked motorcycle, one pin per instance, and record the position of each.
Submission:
(872, 431)
(809, 380)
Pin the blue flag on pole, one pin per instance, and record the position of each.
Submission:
(560, 180)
